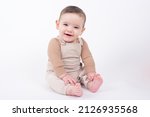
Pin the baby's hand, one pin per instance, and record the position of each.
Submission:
(68, 79)
(91, 75)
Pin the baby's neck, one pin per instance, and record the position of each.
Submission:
(74, 41)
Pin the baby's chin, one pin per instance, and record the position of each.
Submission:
(69, 40)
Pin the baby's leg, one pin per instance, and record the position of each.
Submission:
(56, 83)
(94, 85)
(59, 86)
(74, 90)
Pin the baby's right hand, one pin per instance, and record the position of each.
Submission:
(68, 79)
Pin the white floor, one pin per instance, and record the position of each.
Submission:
(20, 80)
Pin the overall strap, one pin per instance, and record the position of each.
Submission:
(80, 41)
(62, 42)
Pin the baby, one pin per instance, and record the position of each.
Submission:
(70, 63)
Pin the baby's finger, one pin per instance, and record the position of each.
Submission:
(74, 81)
(66, 82)
(90, 78)
(71, 82)
(98, 75)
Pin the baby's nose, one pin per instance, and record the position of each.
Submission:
(70, 29)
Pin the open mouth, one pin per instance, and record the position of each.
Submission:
(68, 34)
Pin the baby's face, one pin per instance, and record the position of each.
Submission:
(70, 26)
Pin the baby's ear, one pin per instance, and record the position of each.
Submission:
(57, 24)
(82, 30)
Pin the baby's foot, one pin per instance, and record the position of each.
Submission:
(94, 85)
(74, 90)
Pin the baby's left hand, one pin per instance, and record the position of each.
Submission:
(91, 75)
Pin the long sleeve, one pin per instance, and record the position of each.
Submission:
(87, 58)
(54, 55)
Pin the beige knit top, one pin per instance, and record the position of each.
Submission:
(55, 57)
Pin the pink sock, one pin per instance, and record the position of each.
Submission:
(74, 90)
(94, 85)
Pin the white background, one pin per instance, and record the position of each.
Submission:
(118, 34)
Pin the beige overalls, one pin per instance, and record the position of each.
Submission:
(71, 53)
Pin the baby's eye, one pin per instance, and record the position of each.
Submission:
(76, 27)
(65, 24)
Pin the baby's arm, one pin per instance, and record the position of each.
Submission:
(54, 54)
(88, 61)
(87, 58)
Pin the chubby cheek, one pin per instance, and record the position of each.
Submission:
(61, 30)
(78, 33)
